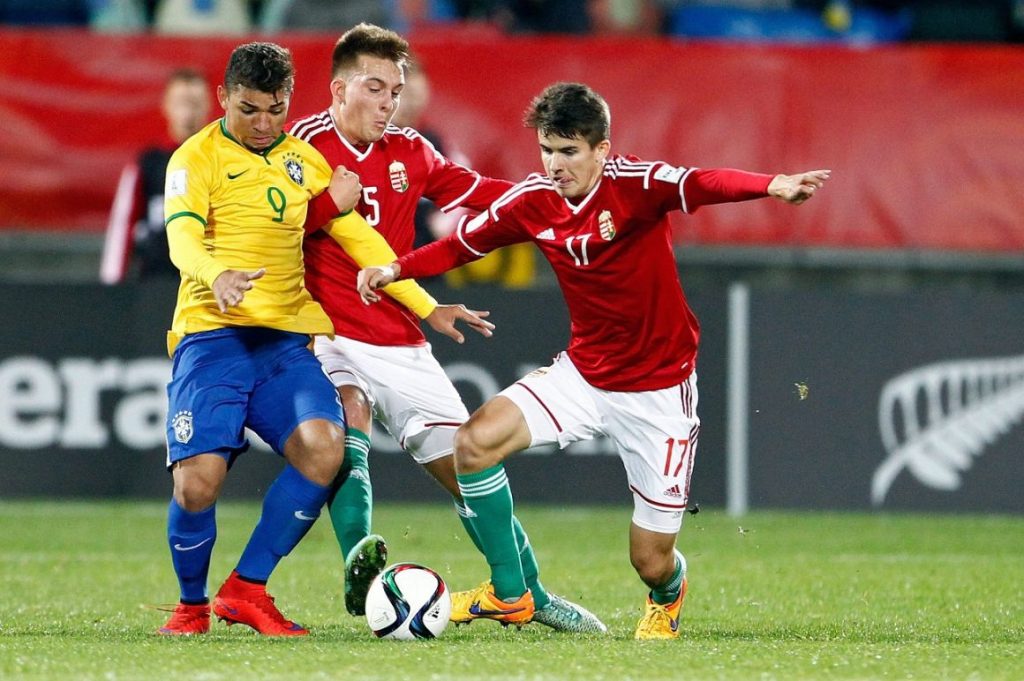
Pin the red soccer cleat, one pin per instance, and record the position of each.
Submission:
(246, 603)
(187, 620)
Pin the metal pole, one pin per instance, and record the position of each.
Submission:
(737, 489)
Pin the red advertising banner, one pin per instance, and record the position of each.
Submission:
(924, 141)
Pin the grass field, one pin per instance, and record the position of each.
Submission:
(773, 596)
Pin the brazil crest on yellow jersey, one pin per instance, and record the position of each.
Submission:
(247, 210)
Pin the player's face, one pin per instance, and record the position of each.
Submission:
(571, 163)
(366, 98)
(254, 118)
(186, 108)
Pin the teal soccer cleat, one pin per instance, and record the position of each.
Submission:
(563, 615)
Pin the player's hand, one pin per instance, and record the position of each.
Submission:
(798, 188)
(230, 286)
(371, 279)
(443, 319)
(345, 189)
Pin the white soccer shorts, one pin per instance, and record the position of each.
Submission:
(408, 391)
(655, 433)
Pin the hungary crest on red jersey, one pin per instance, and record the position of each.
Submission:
(606, 225)
(399, 178)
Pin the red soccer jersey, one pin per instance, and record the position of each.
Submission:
(395, 172)
(631, 328)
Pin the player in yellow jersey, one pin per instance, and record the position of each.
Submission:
(238, 195)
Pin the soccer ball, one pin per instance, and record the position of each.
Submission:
(408, 601)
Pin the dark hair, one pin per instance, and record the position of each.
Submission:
(570, 110)
(265, 67)
(368, 39)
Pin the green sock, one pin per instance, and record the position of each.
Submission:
(351, 503)
(526, 558)
(531, 572)
(669, 591)
(488, 495)
(464, 516)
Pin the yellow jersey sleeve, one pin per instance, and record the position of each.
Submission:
(367, 247)
(186, 205)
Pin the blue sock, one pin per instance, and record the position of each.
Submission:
(291, 505)
(191, 537)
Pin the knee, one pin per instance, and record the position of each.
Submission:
(195, 493)
(317, 450)
(328, 449)
(358, 414)
(491, 434)
(472, 448)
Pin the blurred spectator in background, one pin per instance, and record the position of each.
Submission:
(136, 243)
(100, 15)
(202, 17)
(951, 20)
(848, 21)
(117, 16)
(549, 16)
(325, 15)
(625, 16)
(44, 12)
(528, 16)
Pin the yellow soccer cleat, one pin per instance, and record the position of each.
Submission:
(661, 622)
(482, 603)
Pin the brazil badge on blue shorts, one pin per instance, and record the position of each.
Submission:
(225, 380)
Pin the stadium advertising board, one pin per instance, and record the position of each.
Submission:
(856, 400)
(887, 401)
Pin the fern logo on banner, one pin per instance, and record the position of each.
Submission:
(935, 419)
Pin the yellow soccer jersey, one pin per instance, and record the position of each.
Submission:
(247, 210)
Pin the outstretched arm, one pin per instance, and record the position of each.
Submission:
(704, 187)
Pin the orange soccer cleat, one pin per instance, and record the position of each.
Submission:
(482, 603)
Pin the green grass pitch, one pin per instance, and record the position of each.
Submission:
(772, 596)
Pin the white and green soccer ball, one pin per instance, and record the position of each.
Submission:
(407, 602)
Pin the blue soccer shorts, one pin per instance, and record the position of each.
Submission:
(226, 379)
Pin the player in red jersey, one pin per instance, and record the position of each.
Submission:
(629, 372)
(379, 360)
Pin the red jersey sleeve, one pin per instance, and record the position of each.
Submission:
(451, 186)
(667, 187)
(320, 211)
(702, 187)
(434, 258)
